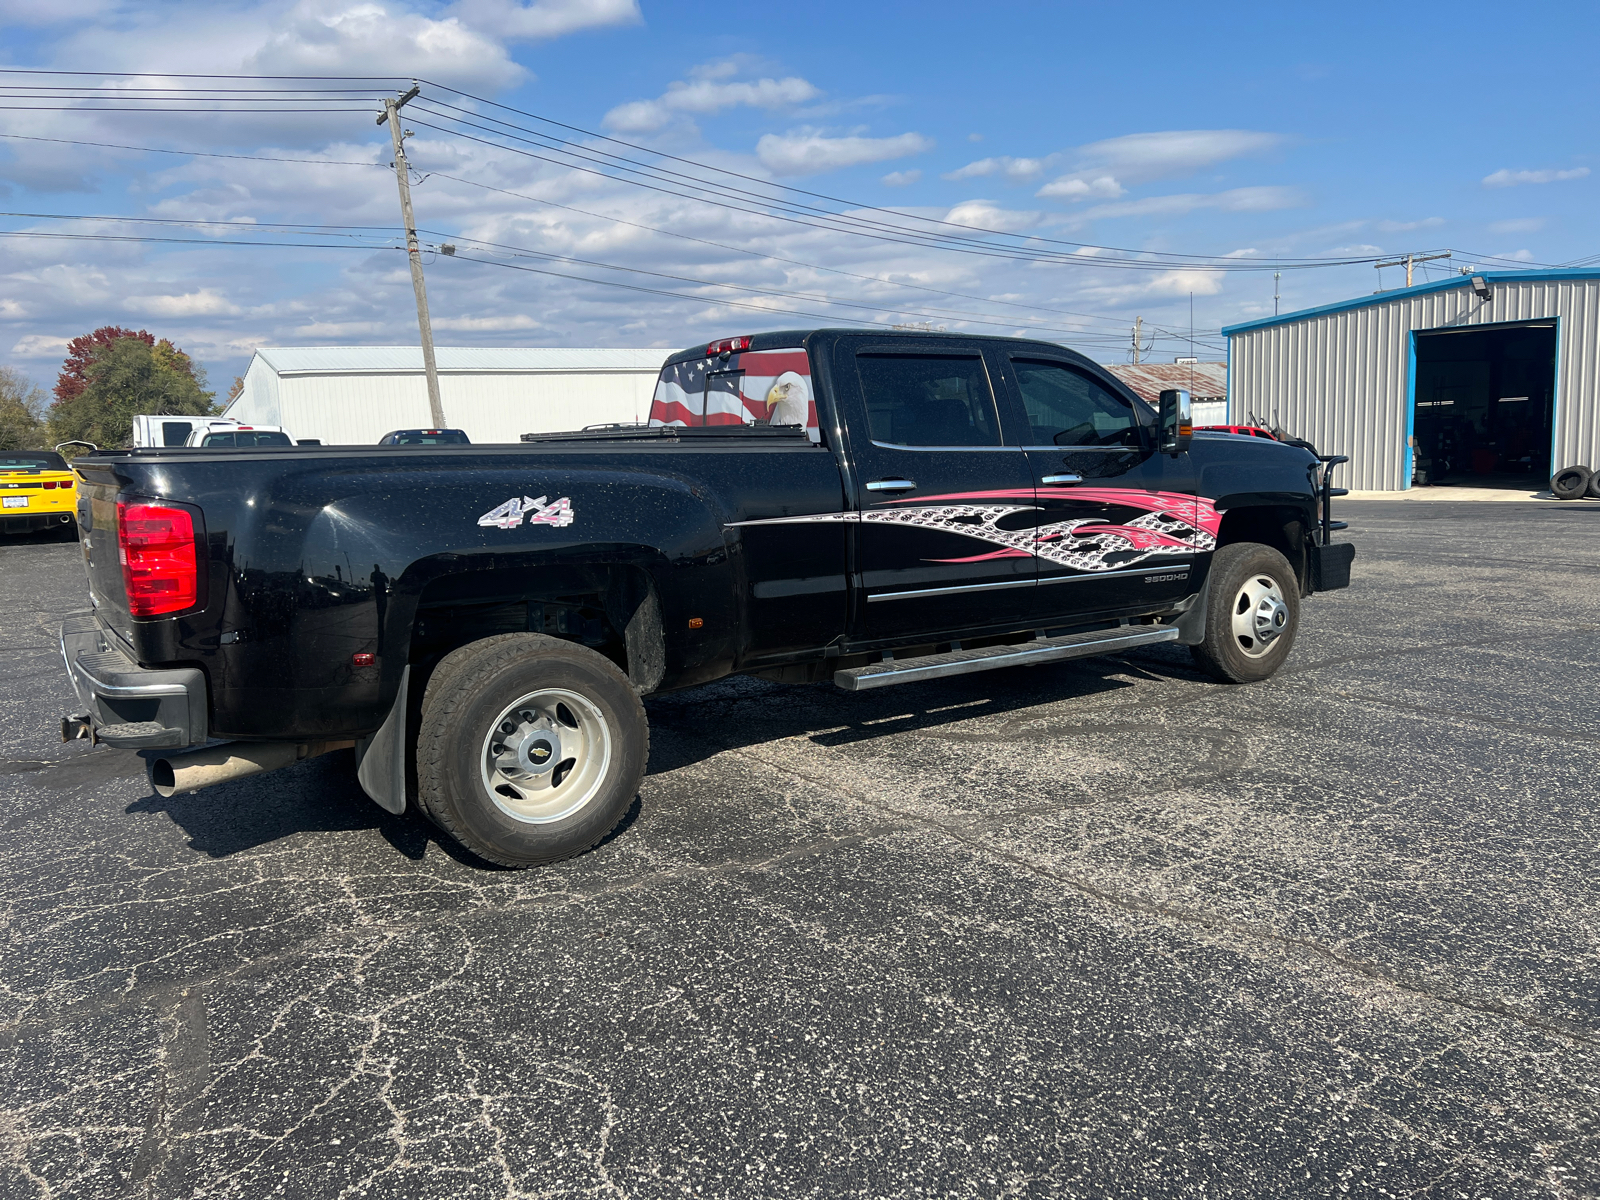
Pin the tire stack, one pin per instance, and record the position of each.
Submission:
(1574, 483)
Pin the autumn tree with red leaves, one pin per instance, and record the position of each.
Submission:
(114, 374)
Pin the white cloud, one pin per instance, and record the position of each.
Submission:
(1017, 169)
(203, 303)
(545, 18)
(1247, 199)
(1181, 283)
(1076, 187)
(487, 324)
(982, 214)
(369, 38)
(1146, 156)
(1508, 178)
(37, 345)
(807, 152)
(1518, 225)
(709, 91)
(901, 178)
(1408, 226)
(1106, 168)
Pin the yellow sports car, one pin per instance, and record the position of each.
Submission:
(37, 491)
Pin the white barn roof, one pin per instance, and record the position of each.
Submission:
(365, 360)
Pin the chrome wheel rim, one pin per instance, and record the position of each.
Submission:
(546, 756)
(1260, 615)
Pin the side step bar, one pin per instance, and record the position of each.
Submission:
(987, 658)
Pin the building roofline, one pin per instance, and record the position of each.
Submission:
(1420, 289)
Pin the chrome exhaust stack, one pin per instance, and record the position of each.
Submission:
(232, 760)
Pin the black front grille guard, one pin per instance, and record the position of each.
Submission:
(1328, 492)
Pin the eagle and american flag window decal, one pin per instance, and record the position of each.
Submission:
(757, 387)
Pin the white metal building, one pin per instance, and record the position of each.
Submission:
(353, 395)
(1491, 379)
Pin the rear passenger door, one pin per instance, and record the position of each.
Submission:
(1116, 518)
(945, 527)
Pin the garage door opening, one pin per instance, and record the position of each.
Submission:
(1485, 406)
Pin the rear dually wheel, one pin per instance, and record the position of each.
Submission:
(530, 748)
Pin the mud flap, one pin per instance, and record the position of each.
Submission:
(381, 758)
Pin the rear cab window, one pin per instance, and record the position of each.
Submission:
(754, 387)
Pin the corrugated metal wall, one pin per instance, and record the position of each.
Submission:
(1340, 379)
(358, 409)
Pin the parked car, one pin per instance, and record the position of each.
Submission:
(425, 437)
(863, 508)
(37, 491)
(1242, 430)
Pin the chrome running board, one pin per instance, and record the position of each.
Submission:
(988, 658)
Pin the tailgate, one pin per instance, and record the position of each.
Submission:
(97, 530)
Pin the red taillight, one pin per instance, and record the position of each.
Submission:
(159, 567)
(727, 346)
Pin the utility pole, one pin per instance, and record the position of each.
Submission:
(1138, 347)
(402, 174)
(1410, 261)
(1276, 275)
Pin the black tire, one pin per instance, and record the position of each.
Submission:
(1593, 490)
(1570, 483)
(1255, 585)
(564, 718)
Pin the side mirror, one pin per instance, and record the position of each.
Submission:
(1176, 422)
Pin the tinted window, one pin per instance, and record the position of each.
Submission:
(34, 460)
(175, 433)
(924, 400)
(441, 437)
(1065, 407)
(244, 439)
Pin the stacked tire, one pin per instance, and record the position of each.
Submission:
(1574, 483)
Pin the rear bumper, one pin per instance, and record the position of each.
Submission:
(128, 705)
(13, 522)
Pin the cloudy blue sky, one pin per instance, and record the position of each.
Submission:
(1009, 142)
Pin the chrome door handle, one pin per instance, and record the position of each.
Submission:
(892, 485)
(1056, 479)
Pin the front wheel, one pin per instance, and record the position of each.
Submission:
(530, 749)
(1252, 612)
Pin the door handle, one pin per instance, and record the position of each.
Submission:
(892, 485)
(1057, 480)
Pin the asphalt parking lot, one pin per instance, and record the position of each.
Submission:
(1092, 929)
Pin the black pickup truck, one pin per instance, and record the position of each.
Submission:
(480, 622)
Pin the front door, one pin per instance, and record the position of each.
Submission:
(945, 526)
(1117, 519)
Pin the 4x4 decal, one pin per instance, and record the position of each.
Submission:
(535, 510)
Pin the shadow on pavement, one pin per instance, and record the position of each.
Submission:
(745, 711)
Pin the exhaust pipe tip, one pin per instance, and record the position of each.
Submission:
(195, 769)
(163, 778)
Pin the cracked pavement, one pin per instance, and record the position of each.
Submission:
(1101, 928)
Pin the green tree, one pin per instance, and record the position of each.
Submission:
(124, 376)
(20, 403)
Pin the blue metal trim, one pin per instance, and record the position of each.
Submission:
(1420, 289)
(1411, 409)
(1227, 386)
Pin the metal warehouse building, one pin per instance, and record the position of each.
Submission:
(353, 395)
(1491, 379)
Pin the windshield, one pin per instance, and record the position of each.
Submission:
(428, 437)
(32, 460)
(245, 439)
